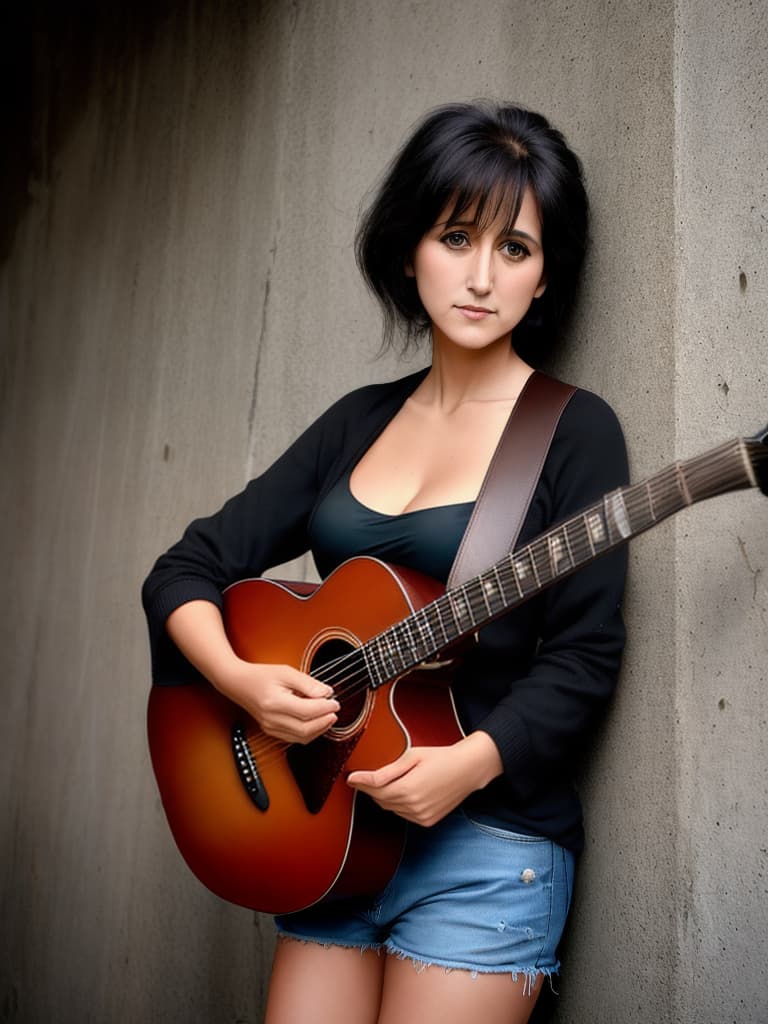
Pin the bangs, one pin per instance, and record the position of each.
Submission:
(487, 188)
(470, 164)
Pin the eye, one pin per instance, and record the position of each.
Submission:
(515, 250)
(455, 239)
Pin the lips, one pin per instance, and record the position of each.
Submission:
(475, 312)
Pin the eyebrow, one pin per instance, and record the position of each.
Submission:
(522, 234)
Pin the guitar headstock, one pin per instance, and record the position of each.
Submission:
(757, 446)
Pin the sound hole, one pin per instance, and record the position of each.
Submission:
(347, 679)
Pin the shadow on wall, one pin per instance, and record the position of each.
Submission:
(50, 57)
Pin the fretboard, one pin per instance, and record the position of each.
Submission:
(617, 517)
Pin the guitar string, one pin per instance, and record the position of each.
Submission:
(538, 551)
(266, 748)
(360, 679)
(348, 683)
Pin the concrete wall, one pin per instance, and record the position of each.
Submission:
(722, 596)
(179, 298)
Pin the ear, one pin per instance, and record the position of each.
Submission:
(542, 287)
(409, 271)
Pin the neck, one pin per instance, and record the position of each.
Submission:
(458, 374)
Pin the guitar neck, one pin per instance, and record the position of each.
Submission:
(519, 576)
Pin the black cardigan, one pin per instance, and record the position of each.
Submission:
(538, 679)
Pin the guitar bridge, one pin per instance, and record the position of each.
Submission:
(247, 769)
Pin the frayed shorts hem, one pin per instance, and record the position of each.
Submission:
(530, 974)
(362, 947)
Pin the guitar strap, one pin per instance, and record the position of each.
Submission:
(512, 476)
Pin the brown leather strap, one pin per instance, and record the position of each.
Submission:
(512, 476)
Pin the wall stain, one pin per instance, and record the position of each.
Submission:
(262, 329)
(259, 346)
(755, 572)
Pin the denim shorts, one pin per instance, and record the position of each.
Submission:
(466, 895)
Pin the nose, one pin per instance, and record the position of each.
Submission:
(480, 270)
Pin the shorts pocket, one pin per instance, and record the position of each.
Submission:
(499, 832)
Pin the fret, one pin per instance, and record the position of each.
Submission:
(405, 642)
(682, 484)
(377, 646)
(461, 611)
(649, 496)
(409, 642)
(579, 542)
(449, 599)
(439, 606)
(372, 663)
(560, 560)
(383, 663)
(393, 646)
(429, 614)
(486, 592)
(568, 548)
(426, 642)
(510, 560)
(525, 572)
(597, 530)
(540, 562)
(489, 588)
(639, 504)
(474, 594)
(664, 493)
(483, 605)
(500, 586)
(616, 517)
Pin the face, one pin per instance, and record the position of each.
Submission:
(475, 285)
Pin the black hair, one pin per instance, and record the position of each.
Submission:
(480, 155)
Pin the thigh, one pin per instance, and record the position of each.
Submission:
(321, 984)
(434, 995)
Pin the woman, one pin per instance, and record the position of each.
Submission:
(476, 238)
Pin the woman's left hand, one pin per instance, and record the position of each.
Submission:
(426, 783)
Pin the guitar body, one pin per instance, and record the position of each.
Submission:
(275, 827)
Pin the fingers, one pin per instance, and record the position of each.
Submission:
(422, 785)
(293, 731)
(288, 704)
(305, 709)
(302, 684)
(383, 776)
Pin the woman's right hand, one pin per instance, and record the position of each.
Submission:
(286, 703)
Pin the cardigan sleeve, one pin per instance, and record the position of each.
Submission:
(557, 658)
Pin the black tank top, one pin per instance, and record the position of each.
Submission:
(425, 539)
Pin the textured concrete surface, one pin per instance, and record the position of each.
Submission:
(179, 299)
(721, 381)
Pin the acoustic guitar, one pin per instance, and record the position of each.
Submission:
(273, 826)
